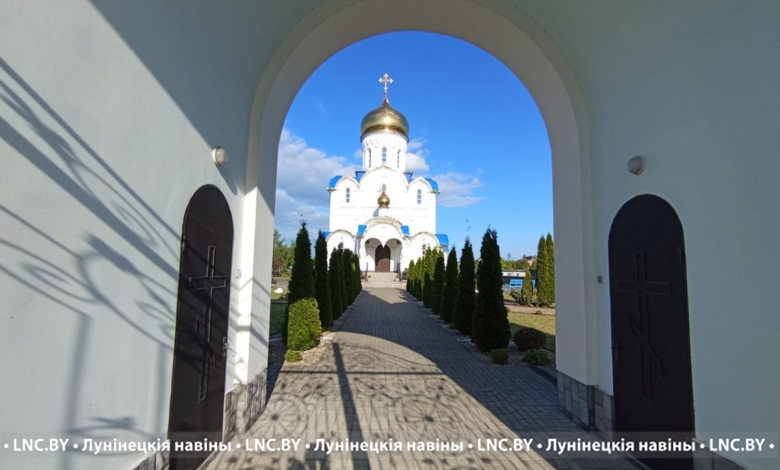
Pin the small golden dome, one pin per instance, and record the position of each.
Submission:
(385, 118)
(383, 201)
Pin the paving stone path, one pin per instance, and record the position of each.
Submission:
(394, 373)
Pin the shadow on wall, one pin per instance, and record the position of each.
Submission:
(125, 246)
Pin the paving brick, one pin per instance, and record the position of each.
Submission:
(394, 371)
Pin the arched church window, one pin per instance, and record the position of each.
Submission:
(347, 195)
(384, 155)
(424, 247)
(398, 160)
(419, 196)
(369, 157)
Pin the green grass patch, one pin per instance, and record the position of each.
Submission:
(545, 323)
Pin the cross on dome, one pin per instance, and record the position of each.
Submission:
(385, 80)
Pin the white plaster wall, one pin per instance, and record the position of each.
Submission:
(108, 113)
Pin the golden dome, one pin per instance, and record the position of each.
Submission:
(383, 201)
(385, 118)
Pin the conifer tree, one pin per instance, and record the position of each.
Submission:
(527, 291)
(464, 307)
(545, 280)
(450, 288)
(410, 278)
(550, 247)
(347, 270)
(490, 329)
(321, 281)
(439, 278)
(336, 290)
(302, 277)
(427, 290)
(356, 262)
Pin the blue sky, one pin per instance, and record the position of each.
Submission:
(473, 127)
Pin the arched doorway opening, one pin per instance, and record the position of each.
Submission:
(533, 57)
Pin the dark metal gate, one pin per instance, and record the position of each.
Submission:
(200, 345)
(653, 388)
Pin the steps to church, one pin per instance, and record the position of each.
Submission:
(384, 280)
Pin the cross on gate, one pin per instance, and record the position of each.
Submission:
(639, 327)
(208, 282)
(385, 80)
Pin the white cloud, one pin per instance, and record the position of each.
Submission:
(416, 155)
(457, 189)
(290, 211)
(304, 172)
(302, 177)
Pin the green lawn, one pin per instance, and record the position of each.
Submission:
(545, 323)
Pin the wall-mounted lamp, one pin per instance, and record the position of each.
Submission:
(219, 155)
(636, 164)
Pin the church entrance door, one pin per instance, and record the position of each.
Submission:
(382, 258)
(200, 344)
(651, 360)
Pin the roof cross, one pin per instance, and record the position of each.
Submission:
(385, 80)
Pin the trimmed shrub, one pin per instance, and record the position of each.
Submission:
(303, 330)
(464, 307)
(302, 278)
(490, 327)
(293, 356)
(450, 288)
(529, 338)
(500, 356)
(321, 281)
(536, 357)
(439, 281)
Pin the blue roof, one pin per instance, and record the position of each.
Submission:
(443, 239)
(326, 234)
(408, 177)
(434, 184)
(333, 181)
(359, 174)
(405, 230)
(361, 230)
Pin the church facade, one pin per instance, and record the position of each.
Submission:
(382, 212)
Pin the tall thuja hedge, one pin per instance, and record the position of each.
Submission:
(321, 281)
(336, 289)
(438, 284)
(356, 263)
(450, 288)
(551, 269)
(491, 325)
(545, 271)
(410, 278)
(346, 276)
(527, 291)
(302, 277)
(464, 307)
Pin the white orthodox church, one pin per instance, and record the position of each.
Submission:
(383, 213)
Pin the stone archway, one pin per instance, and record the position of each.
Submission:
(526, 49)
